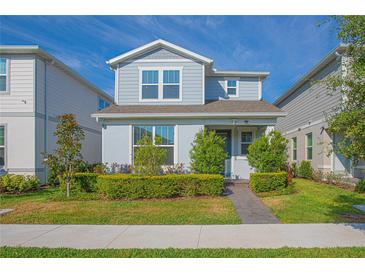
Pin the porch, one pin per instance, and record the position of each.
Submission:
(237, 139)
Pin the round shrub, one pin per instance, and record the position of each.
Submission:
(270, 181)
(305, 170)
(360, 186)
(12, 183)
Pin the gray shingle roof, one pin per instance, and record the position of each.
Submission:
(220, 106)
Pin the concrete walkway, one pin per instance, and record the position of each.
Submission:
(248, 206)
(184, 236)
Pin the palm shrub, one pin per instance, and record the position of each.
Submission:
(305, 170)
(148, 158)
(207, 154)
(268, 153)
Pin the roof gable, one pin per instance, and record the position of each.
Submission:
(156, 45)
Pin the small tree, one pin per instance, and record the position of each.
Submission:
(148, 158)
(207, 154)
(68, 153)
(268, 153)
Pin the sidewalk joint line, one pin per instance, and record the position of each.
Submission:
(200, 232)
(124, 230)
(40, 235)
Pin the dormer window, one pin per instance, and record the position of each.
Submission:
(160, 84)
(232, 87)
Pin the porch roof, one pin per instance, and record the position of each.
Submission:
(219, 108)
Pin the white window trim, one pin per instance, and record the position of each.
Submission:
(160, 84)
(7, 83)
(306, 146)
(133, 145)
(292, 148)
(237, 86)
(253, 130)
(4, 146)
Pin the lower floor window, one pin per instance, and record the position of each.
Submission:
(246, 141)
(2, 146)
(164, 133)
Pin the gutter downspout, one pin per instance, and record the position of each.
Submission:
(45, 119)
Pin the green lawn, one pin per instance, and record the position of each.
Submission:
(46, 207)
(34, 252)
(312, 202)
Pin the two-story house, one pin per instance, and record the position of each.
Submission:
(35, 88)
(164, 90)
(307, 104)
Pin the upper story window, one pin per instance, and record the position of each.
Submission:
(309, 146)
(232, 87)
(171, 84)
(295, 148)
(150, 84)
(102, 104)
(4, 75)
(160, 84)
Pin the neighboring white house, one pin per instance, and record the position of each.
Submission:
(307, 104)
(35, 88)
(164, 90)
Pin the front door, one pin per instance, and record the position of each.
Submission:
(226, 135)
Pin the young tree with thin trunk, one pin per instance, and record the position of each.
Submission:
(68, 153)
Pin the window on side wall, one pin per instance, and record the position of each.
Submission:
(102, 104)
(150, 84)
(2, 146)
(166, 135)
(309, 146)
(232, 87)
(246, 141)
(3, 75)
(295, 148)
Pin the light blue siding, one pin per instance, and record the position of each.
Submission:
(160, 53)
(248, 88)
(191, 78)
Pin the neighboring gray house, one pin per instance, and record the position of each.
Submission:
(35, 88)
(164, 90)
(307, 104)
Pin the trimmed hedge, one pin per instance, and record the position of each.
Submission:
(12, 183)
(81, 182)
(264, 182)
(132, 186)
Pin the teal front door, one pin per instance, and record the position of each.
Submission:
(226, 134)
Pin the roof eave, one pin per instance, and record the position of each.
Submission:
(155, 44)
(261, 74)
(189, 115)
(37, 50)
(329, 57)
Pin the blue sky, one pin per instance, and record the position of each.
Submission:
(286, 46)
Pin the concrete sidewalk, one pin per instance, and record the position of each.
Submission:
(184, 236)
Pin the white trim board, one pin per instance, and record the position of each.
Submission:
(156, 44)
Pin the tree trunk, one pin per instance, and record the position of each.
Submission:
(68, 187)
